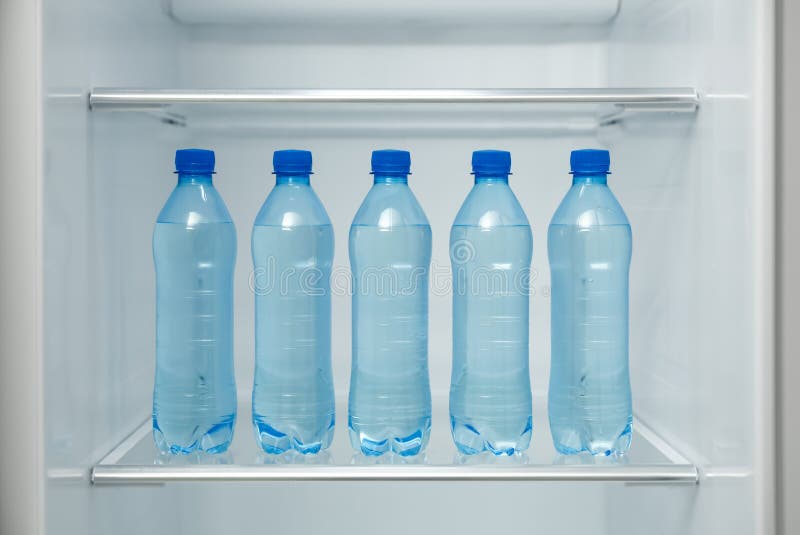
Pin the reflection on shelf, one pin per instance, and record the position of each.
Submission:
(486, 458)
(389, 459)
(194, 459)
(294, 458)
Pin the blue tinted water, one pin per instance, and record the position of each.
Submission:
(589, 247)
(490, 391)
(293, 398)
(194, 400)
(390, 254)
(490, 251)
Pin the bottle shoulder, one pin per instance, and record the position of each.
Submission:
(193, 204)
(292, 205)
(589, 205)
(390, 205)
(491, 205)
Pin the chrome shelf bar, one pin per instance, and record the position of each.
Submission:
(137, 475)
(661, 99)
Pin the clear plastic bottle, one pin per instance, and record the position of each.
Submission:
(293, 399)
(194, 249)
(491, 246)
(589, 246)
(390, 254)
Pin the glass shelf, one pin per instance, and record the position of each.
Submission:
(135, 461)
(304, 109)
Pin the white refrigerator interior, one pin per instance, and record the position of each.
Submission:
(689, 129)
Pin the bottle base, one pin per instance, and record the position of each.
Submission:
(275, 442)
(469, 440)
(571, 441)
(217, 439)
(373, 444)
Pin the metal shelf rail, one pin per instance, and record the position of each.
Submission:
(672, 99)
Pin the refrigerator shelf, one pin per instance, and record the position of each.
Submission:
(592, 107)
(135, 461)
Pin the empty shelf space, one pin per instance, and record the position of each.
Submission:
(565, 108)
(136, 461)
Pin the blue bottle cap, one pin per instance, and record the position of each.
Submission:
(491, 162)
(590, 161)
(292, 162)
(391, 161)
(199, 161)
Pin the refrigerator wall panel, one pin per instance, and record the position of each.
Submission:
(97, 378)
(788, 371)
(22, 482)
(701, 370)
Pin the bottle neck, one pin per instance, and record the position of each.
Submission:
(281, 178)
(481, 178)
(589, 178)
(193, 178)
(390, 178)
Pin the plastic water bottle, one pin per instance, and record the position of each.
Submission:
(490, 250)
(589, 245)
(390, 254)
(194, 248)
(293, 400)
